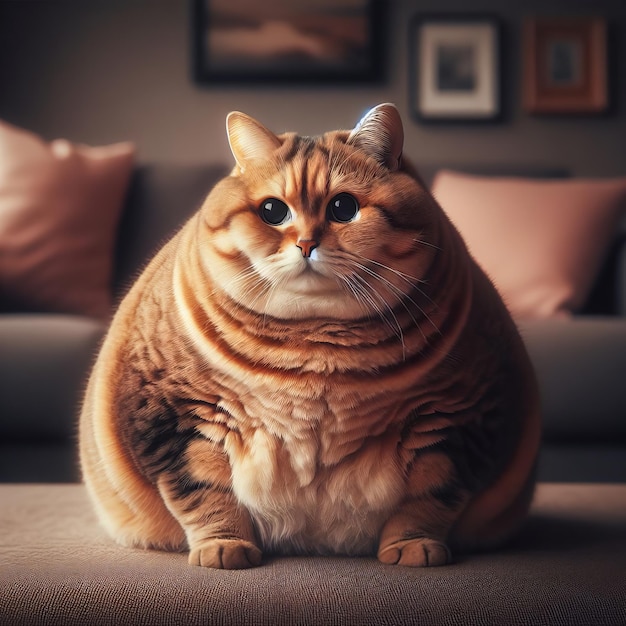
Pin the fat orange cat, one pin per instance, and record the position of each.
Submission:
(313, 365)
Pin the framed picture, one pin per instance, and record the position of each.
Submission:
(281, 41)
(455, 68)
(565, 65)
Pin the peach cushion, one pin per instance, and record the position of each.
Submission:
(60, 204)
(542, 242)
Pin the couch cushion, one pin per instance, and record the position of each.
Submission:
(541, 242)
(581, 367)
(58, 567)
(160, 199)
(583, 462)
(44, 363)
(39, 461)
(428, 171)
(59, 208)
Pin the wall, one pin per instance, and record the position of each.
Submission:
(100, 71)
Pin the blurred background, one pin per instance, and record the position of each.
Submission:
(101, 71)
(105, 71)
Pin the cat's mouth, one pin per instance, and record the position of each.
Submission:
(312, 280)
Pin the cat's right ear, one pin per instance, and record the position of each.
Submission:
(380, 134)
(249, 139)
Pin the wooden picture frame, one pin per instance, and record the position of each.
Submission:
(285, 42)
(455, 68)
(565, 65)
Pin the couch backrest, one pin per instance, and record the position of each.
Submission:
(608, 295)
(160, 199)
(163, 196)
(428, 171)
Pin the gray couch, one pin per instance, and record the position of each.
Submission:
(57, 566)
(581, 362)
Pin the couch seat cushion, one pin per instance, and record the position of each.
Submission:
(566, 567)
(581, 366)
(44, 363)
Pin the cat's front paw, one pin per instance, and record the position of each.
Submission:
(420, 552)
(226, 554)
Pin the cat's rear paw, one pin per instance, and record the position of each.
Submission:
(421, 552)
(226, 554)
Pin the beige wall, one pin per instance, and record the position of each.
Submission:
(99, 71)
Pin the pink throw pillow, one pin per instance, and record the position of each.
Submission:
(60, 204)
(542, 242)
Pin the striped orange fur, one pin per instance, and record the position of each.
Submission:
(313, 364)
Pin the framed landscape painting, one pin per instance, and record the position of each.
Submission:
(282, 41)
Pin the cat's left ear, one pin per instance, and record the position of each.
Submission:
(381, 135)
(249, 139)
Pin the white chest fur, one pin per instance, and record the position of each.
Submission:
(300, 505)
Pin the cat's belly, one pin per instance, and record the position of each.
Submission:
(299, 506)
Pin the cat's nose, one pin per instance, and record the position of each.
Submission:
(306, 246)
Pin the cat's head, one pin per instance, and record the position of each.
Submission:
(331, 226)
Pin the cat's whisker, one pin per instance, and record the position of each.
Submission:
(242, 279)
(395, 328)
(400, 296)
(427, 243)
(250, 282)
(408, 278)
(399, 293)
(363, 299)
(355, 294)
(366, 300)
(345, 266)
(369, 298)
(278, 278)
(412, 281)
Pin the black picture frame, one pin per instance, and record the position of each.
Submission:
(455, 65)
(286, 42)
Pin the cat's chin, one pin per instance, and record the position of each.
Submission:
(312, 294)
(322, 304)
(312, 283)
(317, 306)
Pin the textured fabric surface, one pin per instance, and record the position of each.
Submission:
(160, 200)
(541, 242)
(44, 362)
(575, 462)
(58, 567)
(59, 208)
(580, 364)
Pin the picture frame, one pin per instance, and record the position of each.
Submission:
(455, 68)
(286, 42)
(565, 65)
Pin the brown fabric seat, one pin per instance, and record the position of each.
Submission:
(58, 567)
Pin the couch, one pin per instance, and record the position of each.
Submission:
(45, 357)
(58, 567)
(580, 360)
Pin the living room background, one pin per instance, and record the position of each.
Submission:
(78, 223)
(110, 70)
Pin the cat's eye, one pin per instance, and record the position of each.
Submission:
(343, 208)
(274, 212)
